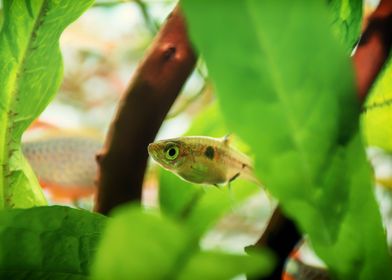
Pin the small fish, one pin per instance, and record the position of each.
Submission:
(63, 160)
(202, 159)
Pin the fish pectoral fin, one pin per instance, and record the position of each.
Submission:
(194, 174)
(234, 177)
(199, 169)
(226, 139)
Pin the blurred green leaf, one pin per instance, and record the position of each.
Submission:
(377, 117)
(360, 240)
(201, 206)
(31, 72)
(48, 242)
(346, 21)
(175, 195)
(139, 245)
(285, 86)
(209, 122)
(221, 266)
(142, 244)
(216, 202)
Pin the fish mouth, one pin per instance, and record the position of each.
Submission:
(152, 150)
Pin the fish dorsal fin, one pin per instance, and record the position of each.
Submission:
(226, 140)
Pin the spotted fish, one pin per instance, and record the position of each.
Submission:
(202, 159)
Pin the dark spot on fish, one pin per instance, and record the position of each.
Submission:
(209, 152)
(243, 165)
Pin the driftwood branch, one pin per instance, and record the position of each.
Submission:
(280, 236)
(153, 89)
(373, 48)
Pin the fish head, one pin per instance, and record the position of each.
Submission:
(171, 154)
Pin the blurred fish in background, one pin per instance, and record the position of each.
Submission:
(63, 160)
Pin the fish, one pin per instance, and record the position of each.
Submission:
(63, 160)
(203, 160)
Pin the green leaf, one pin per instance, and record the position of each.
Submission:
(31, 72)
(209, 122)
(377, 116)
(285, 86)
(221, 266)
(140, 244)
(176, 197)
(48, 242)
(360, 242)
(215, 203)
(201, 206)
(346, 21)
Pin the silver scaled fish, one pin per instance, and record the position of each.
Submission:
(63, 160)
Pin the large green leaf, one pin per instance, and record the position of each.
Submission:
(48, 242)
(140, 244)
(360, 242)
(346, 21)
(285, 86)
(377, 117)
(31, 72)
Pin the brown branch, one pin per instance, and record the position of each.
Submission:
(373, 48)
(280, 237)
(153, 89)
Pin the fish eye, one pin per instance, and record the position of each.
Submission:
(172, 153)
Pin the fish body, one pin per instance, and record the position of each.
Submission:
(202, 159)
(64, 163)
